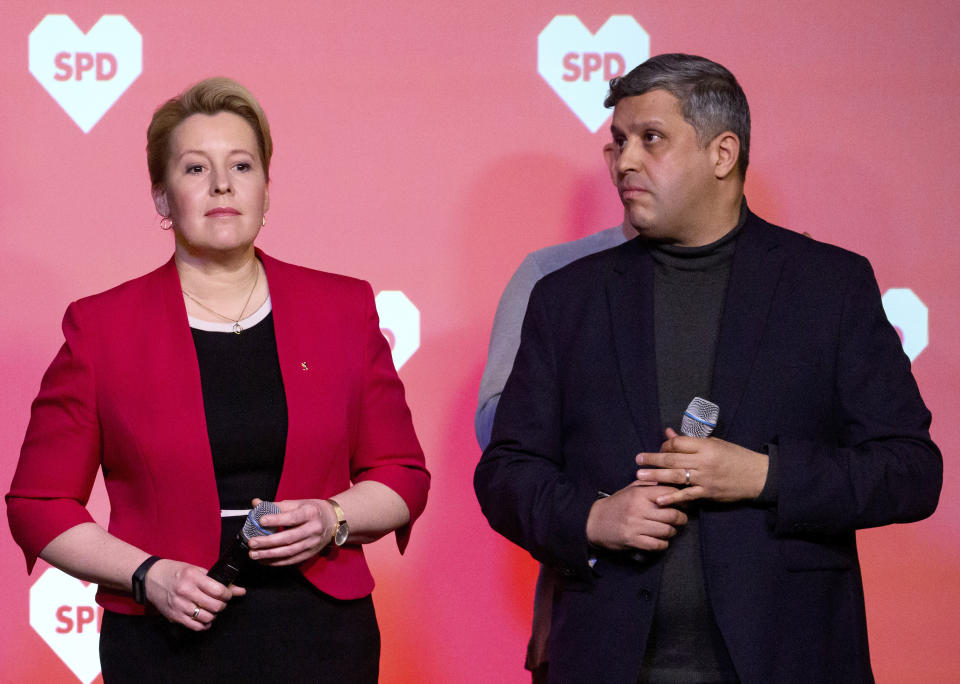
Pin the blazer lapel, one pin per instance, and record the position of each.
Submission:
(286, 320)
(756, 270)
(629, 289)
(308, 333)
(168, 371)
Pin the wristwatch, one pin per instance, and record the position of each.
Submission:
(138, 581)
(343, 529)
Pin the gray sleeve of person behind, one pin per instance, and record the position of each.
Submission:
(504, 342)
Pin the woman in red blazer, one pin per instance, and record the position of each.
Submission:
(222, 378)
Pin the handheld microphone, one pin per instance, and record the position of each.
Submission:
(228, 567)
(700, 418)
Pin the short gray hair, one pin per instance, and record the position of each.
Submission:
(710, 98)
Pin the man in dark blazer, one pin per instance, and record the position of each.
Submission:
(725, 559)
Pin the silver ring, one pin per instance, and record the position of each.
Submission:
(688, 478)
(196, 613)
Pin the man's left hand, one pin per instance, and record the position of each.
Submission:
(711, 468)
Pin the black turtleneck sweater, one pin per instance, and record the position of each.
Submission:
(690, 283)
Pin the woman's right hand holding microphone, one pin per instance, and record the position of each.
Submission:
(183, 594)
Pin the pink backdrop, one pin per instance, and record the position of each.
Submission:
(419, 148)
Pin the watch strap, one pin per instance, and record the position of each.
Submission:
(138, 581)
(339, 539)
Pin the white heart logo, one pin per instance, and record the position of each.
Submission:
(400, 322)
(578, 64)
(908, 314)
(63, 612)
(85, 74)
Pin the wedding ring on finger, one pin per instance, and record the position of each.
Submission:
(687, 481)
(196, 613)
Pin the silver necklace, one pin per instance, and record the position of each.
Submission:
(237, 328)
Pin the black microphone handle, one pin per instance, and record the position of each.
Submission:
(228, 567)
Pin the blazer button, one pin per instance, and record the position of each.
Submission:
(645, 595)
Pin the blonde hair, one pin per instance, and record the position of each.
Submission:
(210, 96)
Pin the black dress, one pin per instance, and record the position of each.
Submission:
(284, 629)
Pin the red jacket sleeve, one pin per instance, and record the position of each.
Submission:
(386, 448)
(61, 451)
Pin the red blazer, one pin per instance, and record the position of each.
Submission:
(124, 394)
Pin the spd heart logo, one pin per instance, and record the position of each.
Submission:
(910, 316)
(64, 614)
(400, 324)
(85, 74)
(578, 64)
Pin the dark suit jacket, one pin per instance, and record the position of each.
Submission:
(806, 360)
(124, 393)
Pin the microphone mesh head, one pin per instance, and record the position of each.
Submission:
(700, 418)
(252, 527)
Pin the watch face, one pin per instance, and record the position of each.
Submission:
(341, 535)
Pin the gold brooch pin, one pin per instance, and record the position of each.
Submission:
(304, 366)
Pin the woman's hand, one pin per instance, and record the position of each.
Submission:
(178, 590)
(309, 525)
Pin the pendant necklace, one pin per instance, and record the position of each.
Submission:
(237, 328)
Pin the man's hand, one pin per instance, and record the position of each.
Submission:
(631, 519)
(718, 470)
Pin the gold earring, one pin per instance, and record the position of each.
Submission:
(263, 221)
(166, 223)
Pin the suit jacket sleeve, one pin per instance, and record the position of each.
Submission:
(386, 448)
(883, 467)
(61, 451)
(520, 480)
